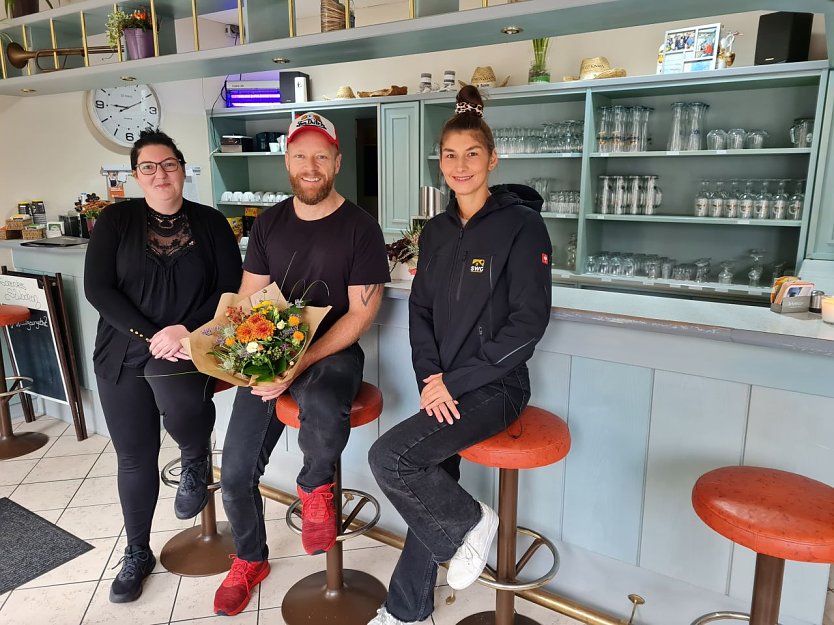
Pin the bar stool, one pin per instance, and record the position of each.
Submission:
(13, 445)
(203, 549)
(337, 595)
(537, 439)
(779, 515)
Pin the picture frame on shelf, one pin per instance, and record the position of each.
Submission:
(689, 49)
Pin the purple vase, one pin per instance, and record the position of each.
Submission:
(139, 43)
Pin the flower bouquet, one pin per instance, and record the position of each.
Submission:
(260, 338)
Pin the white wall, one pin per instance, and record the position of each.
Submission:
(51, 151)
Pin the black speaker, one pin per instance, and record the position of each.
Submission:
(295, 86)
(783, 37)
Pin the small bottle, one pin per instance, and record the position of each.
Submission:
(761, 205)
(731, 203)
(746, 201)
(779, 206)
(571, 252)
(716, 202)
(702, 200)
(796, 201)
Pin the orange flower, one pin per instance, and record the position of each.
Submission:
(297, 336)
(245, 333)
(229, 341)
(294, 320)
(262, 327)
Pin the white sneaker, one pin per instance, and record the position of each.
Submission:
(470, 558)
(383, 617)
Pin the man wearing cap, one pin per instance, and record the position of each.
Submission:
(319, 247)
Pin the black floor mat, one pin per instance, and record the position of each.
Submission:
(30, 545)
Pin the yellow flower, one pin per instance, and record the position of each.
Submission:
(297, 336)
(230, 341)
(294, 320)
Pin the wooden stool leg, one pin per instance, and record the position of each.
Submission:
(504, 613)
(201, 550)
(767, 590)
(336, 595)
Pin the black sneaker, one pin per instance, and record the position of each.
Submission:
(137, 564)
(192, 494)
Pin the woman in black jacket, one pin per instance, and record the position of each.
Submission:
(155, 269)
(479, 304)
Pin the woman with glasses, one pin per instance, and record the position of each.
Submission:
(155, 270)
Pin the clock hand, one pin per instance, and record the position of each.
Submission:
(124, 108)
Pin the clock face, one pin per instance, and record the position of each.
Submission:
(121, 113)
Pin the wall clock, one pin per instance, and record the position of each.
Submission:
(121, 113)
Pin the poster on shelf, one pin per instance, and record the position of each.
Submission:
(689, 49)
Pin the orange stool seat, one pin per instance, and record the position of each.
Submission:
(774, 512)
(336, 595)
(15, 445)
(779, 515)
(10, 315)
(366, 407)
(537, 439)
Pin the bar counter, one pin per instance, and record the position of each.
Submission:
(656, 392)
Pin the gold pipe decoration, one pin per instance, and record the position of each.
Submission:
(240, 21)
(291, 9)
(347, 14)
(54, 42)
(26, 47)
(119, 42)
(194, 24)
(84, 39)
(411, 10)
(154, 27)
(544, 598)
(484, 4)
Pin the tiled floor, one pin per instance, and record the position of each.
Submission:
(73, 484)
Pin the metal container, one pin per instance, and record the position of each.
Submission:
(816, 301)
(431, 201)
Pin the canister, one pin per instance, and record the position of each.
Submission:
(816, 301)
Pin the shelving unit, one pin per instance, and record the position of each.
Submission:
(715, 221)
(704, 153)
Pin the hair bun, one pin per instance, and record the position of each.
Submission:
(470, 95)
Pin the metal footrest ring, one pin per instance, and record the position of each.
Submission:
(721, 616)
(168, 475)
(344, 533)
(17, 385)
(539, 541)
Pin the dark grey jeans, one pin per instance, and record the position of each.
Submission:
(324, 394)
(416, 465)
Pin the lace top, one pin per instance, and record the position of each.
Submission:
(168, 235)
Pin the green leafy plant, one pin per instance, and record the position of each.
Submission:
(540, 52)
(119, 21)
(405, 249)
(9, 4)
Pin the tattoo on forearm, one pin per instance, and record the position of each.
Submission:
(368, 292)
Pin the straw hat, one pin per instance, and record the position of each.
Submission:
(596, 67)
(484, 77)
(344, 93)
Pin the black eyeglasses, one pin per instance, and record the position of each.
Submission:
(149, 167)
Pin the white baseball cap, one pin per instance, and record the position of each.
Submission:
(312, 121)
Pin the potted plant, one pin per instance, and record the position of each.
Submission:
(19, 8)
(137, 30)
(405, 250)
(538, 68)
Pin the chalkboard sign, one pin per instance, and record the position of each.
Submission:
(34, 343)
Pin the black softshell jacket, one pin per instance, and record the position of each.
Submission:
(481, 296)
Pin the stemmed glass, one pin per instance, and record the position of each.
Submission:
(756, 270)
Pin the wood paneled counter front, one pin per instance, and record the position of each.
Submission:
(656, 392)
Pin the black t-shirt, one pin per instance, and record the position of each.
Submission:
(317, 260)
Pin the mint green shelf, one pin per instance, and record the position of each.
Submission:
(683, 219)
(519, 157)
(546, 215)
(245, 154)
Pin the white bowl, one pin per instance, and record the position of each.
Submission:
(226, 197)
(257, 196)
(248, 196)
(237, 196)
(268, 197)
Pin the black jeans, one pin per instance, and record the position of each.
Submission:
(324, 394)
(416, 465)
(132, 406)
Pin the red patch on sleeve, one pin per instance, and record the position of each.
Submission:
(545, 259)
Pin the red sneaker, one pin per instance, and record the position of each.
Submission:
(233, 594)
(318, 519)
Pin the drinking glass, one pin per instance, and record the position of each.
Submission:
(675, 142)
(653, 195)
(606, 117)
(694, 135)
(755, 274)
(635, 195)
(716, 139)
(618, 135)
(619, 195)
(755, 139)
(802, 132)
(735, 138)
(726, 274)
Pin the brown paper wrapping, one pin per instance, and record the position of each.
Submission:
(198, 344)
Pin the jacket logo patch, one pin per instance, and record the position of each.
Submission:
(545, 259)
(477, 265)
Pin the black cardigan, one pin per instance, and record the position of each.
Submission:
(114, 274)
